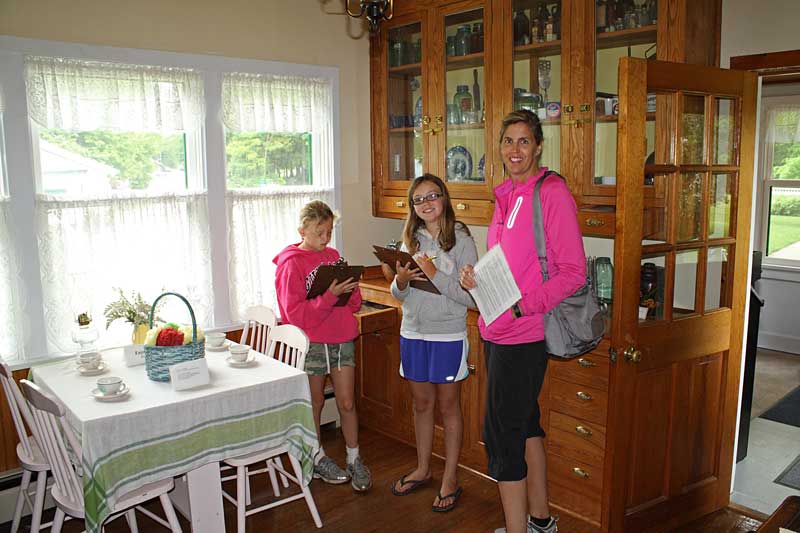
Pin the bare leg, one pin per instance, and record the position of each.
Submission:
(537, 477)
(424, 395)
(449, 397)
(317, 386)
(344, 380)
(515, 505)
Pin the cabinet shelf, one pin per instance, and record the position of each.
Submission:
(476, 126)
(632, 37)
(410, 69)
(615, 118)
(464, 62)
(550, 48)
(403, 130)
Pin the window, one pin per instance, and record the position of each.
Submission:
(781, 178)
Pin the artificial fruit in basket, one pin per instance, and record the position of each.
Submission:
(171, 335)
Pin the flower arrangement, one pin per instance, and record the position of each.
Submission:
(134, 310)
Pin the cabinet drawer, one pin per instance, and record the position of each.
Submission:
(580, 401)
(589, 369)
(576, 439)
(579, 477)
(371, 319)
(473, 210)
(580, 505)
(596, 222)
(397, 205)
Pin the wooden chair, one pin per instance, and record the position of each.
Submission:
(258, 322)
(29, 455)
(289, 345)
(52, 430)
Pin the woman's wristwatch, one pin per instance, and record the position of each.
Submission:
(516, 310)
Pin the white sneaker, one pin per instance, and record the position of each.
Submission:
(551, 527)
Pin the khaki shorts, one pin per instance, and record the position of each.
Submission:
(319, 361)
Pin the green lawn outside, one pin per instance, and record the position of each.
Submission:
(783, 231)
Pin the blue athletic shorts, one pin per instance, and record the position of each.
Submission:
(433, 361)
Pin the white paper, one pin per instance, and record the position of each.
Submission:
(496, 289)
(134, 355)
(189, 374)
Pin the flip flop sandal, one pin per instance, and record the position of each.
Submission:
(443, 509)
(415, 484)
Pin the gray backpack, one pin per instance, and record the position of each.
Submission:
(576, 325)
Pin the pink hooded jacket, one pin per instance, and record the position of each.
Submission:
(318, 318)
(512, 229)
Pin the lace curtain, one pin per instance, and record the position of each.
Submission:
(10, 285)
(146, 244)
(87, 95)
(261, 222)
(783, 124)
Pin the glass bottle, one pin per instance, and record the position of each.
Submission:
(463, 40)
(556, 13)
(604, 279)
(476, 41)
(463, 99)
(549, 30)
(648, 288)
(522, 30)
(541, 20)
(600, 16)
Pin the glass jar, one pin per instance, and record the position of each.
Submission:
(463, 40)
(397, 53)
(604, 279)
(529, 101)
(451, 45)
(463, 99)
(476, 41)
(522, 28)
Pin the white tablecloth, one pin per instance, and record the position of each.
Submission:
(157, 433)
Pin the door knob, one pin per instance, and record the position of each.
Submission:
(632, 354)
(471, 368)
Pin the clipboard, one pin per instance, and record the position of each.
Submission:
(391, 256)
(325, 276)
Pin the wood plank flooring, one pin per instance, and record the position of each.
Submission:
(344, 511)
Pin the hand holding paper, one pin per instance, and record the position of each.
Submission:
(494, 289)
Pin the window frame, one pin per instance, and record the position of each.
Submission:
(208, 159)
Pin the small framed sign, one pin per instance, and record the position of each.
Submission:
(189, 374)
(134, 355)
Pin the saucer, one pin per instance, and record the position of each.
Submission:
(119, 395)
(250, 361)
(92, 371)
(222, 348)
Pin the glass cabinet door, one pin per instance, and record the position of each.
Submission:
(537, 38)
(405, 103)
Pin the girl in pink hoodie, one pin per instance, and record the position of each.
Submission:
(516, 360)
(330, 329)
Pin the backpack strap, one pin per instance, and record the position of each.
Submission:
(538, 223)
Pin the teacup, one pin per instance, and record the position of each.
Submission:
(215, 340)
(90, 360)
(239, 352)
(109, 385)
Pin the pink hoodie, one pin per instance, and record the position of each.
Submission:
(512, 229)
(318, 318)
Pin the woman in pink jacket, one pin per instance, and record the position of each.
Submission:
(516, 360)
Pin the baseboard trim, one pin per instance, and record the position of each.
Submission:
(779, 342)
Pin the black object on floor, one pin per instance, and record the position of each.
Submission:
(787, 410)
(791, 476)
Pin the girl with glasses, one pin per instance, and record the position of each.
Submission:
(433, 333)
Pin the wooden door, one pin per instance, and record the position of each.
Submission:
(674, 387)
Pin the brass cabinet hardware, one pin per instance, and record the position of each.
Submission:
(568, 108)
(595, 222)
(583, 396)
(439, 119)
(471, 368)
(577, 122)
(580, 472)
(400, 203)
(462, 207)
(583, 431)
(426, 119)
(632, 354)
(432, 131)
(586, 363)
(585, 107)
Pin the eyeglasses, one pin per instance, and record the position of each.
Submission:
(430, 197)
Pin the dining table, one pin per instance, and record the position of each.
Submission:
(155, 432)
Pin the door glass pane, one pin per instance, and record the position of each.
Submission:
(724, 131)
(405, 102)
(464, 98)
(690, 206)
(683, 300)
(693, 141)
(717, 278)
(623, 29)
(651, 288)
(719, 205)
(537, 70)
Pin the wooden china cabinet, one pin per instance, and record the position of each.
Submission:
(657, 146)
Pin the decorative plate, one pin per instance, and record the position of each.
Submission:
(459, 164)
(481, 164)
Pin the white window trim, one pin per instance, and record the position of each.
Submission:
(764, 184)
(20, 153)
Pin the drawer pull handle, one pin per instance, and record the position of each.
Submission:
(471, 368)
(583, 396)
(580, 472)
(400, 203)
(583, 431)
(592, 222)
(586, 363)
(462, 207)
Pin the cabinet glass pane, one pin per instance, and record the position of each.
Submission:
(724, 131)
(693, 139)
(690, 206)
(717, 270)
(464, 97)
(537, 70)
(405, 106)
(683, 299)
(624, 29)
(719, 206)
(651, 288)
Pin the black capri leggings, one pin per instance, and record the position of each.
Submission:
(516, 373)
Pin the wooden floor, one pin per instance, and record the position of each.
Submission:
(344, 511)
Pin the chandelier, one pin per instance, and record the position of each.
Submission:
(376, 10)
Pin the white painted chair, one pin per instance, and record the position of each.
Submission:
(29, 455)
(289, 345)
(51, 429)
(258, 322)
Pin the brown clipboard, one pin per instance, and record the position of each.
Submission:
(391, 256)
(325, 276)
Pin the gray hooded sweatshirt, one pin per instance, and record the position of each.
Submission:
(439, 317)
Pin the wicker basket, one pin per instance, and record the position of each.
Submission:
(158, 359)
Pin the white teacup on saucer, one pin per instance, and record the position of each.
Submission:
(239, 352)
(89, 361)
(110, 385)
(215, 340)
